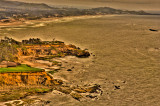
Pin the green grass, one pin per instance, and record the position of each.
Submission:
(21, 68)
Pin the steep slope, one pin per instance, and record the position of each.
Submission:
(22, 79)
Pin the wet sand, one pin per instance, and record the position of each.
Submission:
(125, 55)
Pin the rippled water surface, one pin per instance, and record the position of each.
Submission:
(126, 53)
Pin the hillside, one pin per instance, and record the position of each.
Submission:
(16, 10)
(21, 5)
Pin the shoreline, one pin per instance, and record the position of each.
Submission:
(123, 64)
(57, 20)
(47, 20)
(59, 84)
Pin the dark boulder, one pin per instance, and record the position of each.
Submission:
(69, 70)
(153, 30)
(83, 54)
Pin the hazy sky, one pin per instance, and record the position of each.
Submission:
(151, 5)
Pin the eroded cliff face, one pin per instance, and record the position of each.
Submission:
(22, 79)
(59, 50)
(12, 50)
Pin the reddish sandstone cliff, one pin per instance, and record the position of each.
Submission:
(22, 79)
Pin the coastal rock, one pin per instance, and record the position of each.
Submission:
(93, 89)
(80, 90)
(37, 49)
(153, 30)
(8, 64)
(82, 54)
(76, 96)
(91, 96)
(69, 70)
(23, 79)
(63, 89)
(58, 82)
(117, 87)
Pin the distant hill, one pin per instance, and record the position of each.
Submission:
(23, 6)
(17, 9)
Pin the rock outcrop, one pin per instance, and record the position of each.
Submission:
(26, 78)
(5, 64)
(36, 47)
(39, 54)
(12, 50)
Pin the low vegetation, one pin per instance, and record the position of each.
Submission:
(12, 49)
(8, 49)
(22, 92)
(20, 68)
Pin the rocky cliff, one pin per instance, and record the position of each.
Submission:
(23, 79)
